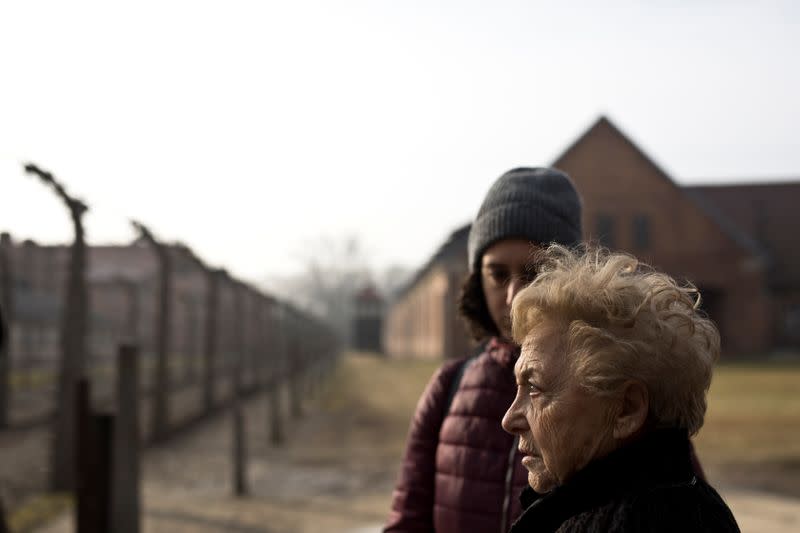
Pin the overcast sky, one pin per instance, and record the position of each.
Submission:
(250, 129)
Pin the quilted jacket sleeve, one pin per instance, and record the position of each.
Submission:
(413, 497)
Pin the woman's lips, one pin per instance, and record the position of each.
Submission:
(530, 460)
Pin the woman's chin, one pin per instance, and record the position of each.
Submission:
(540, 483)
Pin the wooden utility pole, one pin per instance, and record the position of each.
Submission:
(73, 339)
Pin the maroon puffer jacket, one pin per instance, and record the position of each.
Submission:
(461, 471)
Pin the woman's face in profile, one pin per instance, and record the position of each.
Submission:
(561, 427)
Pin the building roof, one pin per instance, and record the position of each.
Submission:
(728, 227)
(453, 247)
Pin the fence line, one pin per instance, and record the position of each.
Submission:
(205, 340)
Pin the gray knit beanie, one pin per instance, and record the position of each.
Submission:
(537, 204)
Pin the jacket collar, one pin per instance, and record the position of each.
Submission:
(660, 458)
(504, 352)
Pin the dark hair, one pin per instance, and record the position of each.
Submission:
(473, 309)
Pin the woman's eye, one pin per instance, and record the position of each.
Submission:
(499, 278)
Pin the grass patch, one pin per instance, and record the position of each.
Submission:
(753, 415)
(366, 406)
(753, 410)
(38, 511)
(39, 377)
(31, 379)
(386, 387)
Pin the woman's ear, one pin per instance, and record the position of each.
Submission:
(634, 408)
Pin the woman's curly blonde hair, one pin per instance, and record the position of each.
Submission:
(623, 321)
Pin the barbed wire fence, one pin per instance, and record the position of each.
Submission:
(197, 341)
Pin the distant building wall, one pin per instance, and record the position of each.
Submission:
(424, 321)
(416, 326)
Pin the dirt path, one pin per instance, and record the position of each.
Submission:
(336, 472)
(759, 512)
(310, 486)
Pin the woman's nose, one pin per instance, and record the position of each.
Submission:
(514, 286)
(514, 420)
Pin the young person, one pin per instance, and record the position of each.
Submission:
(461, 471)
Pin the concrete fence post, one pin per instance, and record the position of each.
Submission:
(126, 495)
(295, 382)
(3, 524)
(73, 333)
(276, 434)
(190, 341)
(239, 447)
(6, 317)
(160, 405)
(277, 376)
(210, 339)
(93, 469)
(83, 454)
(239, 435)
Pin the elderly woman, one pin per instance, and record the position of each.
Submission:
(612, 380)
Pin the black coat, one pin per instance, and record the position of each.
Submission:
(648, 486)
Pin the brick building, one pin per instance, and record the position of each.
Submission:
(768, 212)
(422, 321)
(734, 242)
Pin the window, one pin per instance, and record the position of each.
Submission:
(604, 230)
(641, 232)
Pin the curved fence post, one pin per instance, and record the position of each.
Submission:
(160, 407)
(74, 329)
